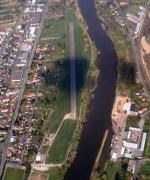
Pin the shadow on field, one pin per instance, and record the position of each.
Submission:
(126, 72)
(59, 74)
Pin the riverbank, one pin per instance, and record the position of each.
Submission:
(128, 86)
(98, 118)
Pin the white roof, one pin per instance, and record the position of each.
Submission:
(33, 2)
(143, 141)
(127, 106)
(12, 139)
(129, 134)
(38, 156)
(134, 129)
(130, 145)
(122, 151)
(127, 155)
(114, 156)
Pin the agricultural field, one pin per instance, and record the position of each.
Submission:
(9, 11)
(133, 9)
(57, 152)
(147, 129)
(145, 168)
(14, 174)
(54, 173)
(54, 28)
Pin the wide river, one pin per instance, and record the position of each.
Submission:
(99, 117)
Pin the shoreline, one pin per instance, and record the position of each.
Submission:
(93, 59)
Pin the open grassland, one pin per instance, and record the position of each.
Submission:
(145, 168)
(54, 27)
(139, 1)
(115, 170)
(14, 174)
(57, 82)
(54, 173)
(133, 9)
(57, 152)
(147, 129)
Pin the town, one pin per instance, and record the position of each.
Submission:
(74, 89)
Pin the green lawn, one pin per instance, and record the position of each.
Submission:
(59, 148)
(14, 174)
(145, 177)
(147, 149)
(147, 128)
(54, 28)
(54, 174)
(134, 122)
(139, 1)
(61, 108)
(83, 58)
(133, 9)
(145, 168)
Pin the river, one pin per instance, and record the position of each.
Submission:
(99, 117)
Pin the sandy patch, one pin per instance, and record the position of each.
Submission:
(145, 49)
(145, 45)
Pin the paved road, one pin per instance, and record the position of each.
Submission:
(20, 95)
(72, 70)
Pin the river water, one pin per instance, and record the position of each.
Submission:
(99, 117)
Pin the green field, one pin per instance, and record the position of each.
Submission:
(147, 129)
(60, 61)
(54, 174)
(139, 1)
(57, 152)
(147, 149)
(14, 174)
(134, 122)
(145, 168)
(54, 28)
(133, 9)
(114, 171)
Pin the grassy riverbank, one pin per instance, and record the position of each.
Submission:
(126, 79)
(84, 96)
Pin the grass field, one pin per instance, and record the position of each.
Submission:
(54, 174)
(9, 11)
(147, 128)
(133, 9)
(145, 168)
(139, 1)
(147, 150)
(83, 58)
(54, 28)
(61, 107)
(14, 174)
(57, 152)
